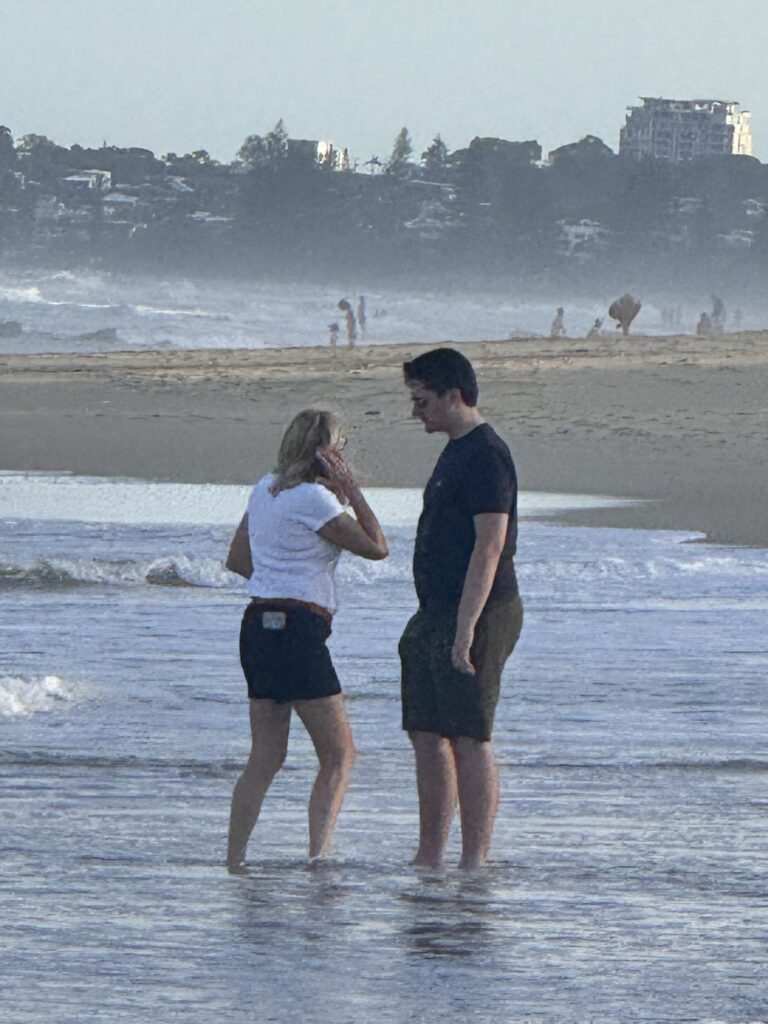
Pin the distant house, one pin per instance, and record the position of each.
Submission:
(582, 240)
(678, 130)
(328, 155)
(434, 220)
(119, 206)
(87, 181)
(179, 185)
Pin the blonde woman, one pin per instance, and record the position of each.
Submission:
(287, 545)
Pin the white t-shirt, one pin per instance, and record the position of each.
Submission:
(289, 558)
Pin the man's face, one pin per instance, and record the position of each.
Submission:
(433, 410)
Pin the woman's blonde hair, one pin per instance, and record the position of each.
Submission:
(297, 459)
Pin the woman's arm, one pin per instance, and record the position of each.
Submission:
(239, 557)
(362, 535)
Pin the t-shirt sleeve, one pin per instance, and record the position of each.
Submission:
(249, 508)
(317, 507)
(493, 487)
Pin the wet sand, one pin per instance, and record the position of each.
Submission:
(680, 422)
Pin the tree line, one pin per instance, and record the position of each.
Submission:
(491, 213)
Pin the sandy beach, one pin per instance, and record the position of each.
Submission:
(679, 423)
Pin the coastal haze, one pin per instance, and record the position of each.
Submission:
(211, 220)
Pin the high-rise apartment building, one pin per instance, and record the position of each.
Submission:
(684, 129)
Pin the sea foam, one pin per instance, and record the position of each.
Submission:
(20, 697)
(168, 570)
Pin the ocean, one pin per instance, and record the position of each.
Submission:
(98, 312)
(628, 872)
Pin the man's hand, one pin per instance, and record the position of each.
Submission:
(460, 654)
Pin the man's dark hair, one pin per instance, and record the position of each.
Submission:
(443, 369)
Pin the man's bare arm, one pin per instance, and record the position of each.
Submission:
(490, 536)
(239, 557)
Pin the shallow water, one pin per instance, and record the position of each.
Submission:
(628, 870)
(92, 312)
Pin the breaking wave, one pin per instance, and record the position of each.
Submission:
(21, 698)
(20, 293)
(177, 571)
(536, 576)
(190, 311)
(629, 569)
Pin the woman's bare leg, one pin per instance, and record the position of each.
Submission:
(326, 722)
(436, 783)
(270, 724)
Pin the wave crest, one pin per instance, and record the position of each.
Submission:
(179, 571)
(182, 571)
(21, 698)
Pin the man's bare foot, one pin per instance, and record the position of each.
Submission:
(321, 864)
(431, 863)
(472, 863)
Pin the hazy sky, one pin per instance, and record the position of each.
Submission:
(178, 75)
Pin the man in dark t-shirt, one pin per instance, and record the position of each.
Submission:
(470, 613)
(473, 476)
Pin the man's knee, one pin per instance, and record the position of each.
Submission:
(470, 750)
(338, 758)
(266, 760)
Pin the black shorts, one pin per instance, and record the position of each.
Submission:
(436, 697)
(284, 654)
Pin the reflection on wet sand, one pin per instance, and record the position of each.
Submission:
(450, 921)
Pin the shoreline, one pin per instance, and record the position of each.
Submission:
(680, 423)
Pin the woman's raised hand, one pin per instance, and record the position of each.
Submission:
(337, 469)
(360, 533)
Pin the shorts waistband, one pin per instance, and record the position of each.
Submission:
(442, 608)
(290, 602)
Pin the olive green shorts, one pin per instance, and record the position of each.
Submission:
(436, 697)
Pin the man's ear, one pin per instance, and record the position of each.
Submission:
(455, 397)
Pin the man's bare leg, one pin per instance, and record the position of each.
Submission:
(326, 722)
(270, 724)
(436, 783)
(478, 788)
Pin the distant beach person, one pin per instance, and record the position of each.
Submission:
(362, 320)
(333, 336)
(624, 311)
(718, 315)
(557, 327)
(288, 542)
(704, 326)
(349, 316)
(470, 614)
(595, 331)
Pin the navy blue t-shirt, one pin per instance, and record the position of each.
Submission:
(474, 474)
